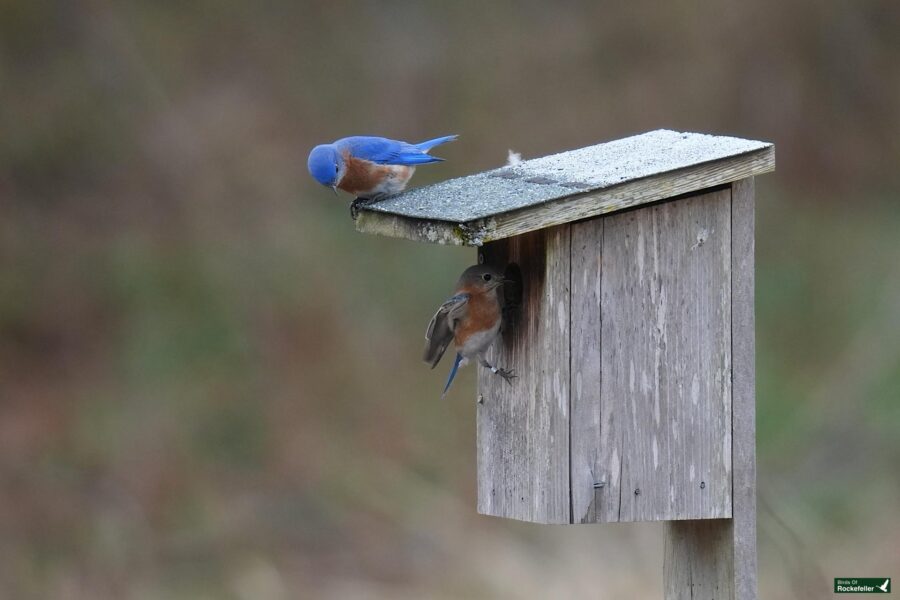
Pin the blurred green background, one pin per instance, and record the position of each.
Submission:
(206, 391)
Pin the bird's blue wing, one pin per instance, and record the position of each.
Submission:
(429, 144)
(384, 151)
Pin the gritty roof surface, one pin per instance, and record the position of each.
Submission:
(540, 180)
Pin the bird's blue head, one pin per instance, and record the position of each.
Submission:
(326, 165)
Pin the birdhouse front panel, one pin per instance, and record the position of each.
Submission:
(621, 340)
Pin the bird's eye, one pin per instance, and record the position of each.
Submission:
(486, 276)
(336, 168)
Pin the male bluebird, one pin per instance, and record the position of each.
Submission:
(370, 167)
(471, 319)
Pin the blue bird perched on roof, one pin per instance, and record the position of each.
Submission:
(369, 167)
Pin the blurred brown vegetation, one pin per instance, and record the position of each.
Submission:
(208, 391)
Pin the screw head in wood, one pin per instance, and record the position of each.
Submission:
(637, 491)
(480, 399)
(702, 485)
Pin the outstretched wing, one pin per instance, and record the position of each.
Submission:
(384, 151)
(440, 330)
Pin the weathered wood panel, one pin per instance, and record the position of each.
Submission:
(743, 348)
(590, 475)
(523, 428)
(660, 441)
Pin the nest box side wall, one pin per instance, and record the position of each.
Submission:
(623, 406)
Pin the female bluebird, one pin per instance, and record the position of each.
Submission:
(370, 167)
(471, 319)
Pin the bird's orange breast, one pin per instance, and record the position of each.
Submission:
(483, 314)
(361, 175)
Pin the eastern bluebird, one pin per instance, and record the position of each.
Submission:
(370, 167)
(471, 319)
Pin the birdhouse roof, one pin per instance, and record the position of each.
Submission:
(566, 187)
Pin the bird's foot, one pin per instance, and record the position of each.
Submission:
(359, 202)
(507, 375)
(354, 207)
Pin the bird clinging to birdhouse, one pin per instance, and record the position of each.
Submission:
(471, 319)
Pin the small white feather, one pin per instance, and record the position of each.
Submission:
(513, 158)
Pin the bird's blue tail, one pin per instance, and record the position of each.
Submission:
(452, 374)
(426, 146)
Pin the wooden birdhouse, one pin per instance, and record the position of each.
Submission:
(630, 326)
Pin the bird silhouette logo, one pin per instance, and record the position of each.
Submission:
(885, 587)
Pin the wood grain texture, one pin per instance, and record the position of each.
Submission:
(590, 473)
(651, 418)
(578, 206)
(698, 560)
(744, 389)
(523, 428)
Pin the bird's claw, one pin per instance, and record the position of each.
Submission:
(507, 375)
(354, 207)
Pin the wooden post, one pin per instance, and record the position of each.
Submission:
(717, 558)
